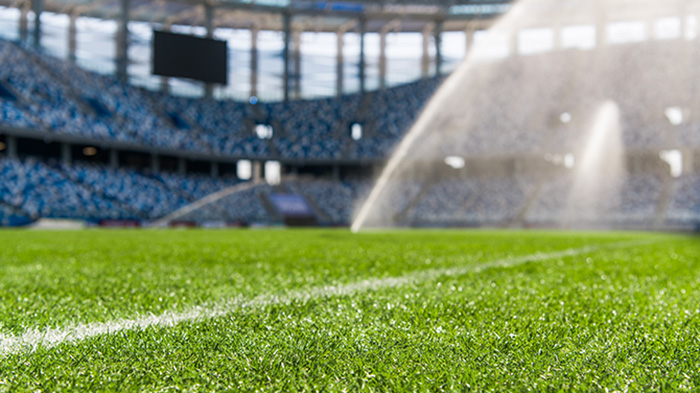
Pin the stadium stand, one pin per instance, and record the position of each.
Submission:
(685, 204)
(59, 97)
(35, 188)
(41, 94)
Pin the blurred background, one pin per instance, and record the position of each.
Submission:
(312, 99)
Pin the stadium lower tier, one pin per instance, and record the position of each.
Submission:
(34, 189)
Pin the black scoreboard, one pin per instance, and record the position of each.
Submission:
(185, 56)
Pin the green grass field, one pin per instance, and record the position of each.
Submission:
(326, 310)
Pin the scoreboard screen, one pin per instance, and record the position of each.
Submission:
(185, 56)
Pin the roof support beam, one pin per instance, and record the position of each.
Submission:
(209, 26)
(253, 62)
(425, 59)
(362, 29)
(122, 57)
(339, 71)
(23, 28)
(296, 55)
(38, 7)
(340, 35)
(72, 34)
(438, 46)
(382, 59)
(175, 18)
(287, 28)
(393, 25)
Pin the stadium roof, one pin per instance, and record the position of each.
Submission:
(308, 15)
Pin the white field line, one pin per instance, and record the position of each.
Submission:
(51, 337)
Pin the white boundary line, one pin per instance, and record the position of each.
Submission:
(51, 337)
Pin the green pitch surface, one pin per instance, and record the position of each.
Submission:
(318, 310)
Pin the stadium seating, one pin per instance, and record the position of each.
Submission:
(685, 204)
(59, 97)
(34, 188)
(94, 192)
(336, 199)
(40, 93)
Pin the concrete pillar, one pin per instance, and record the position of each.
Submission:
(296, 55)
(72, 33)
(601, 31)
(181, 166)
(339, 63)
(256, 169)
(382, 59)
(336, 172)
(438, 49)
(513, 43)
(209, 26)
(214, 169)
(558, 43)
(23, 14)
(469, 38)
(165, 84)
(164, 80)
(601, 25)
(361, 63)
(688, 164)
(254, 62)
(66, 154)
(209, 20)
(287, 28)
(38, 7)
(113, 159)
(155, 163)
(425, 59)
(11, 141)
(122, 57)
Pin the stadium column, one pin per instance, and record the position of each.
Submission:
(425, 59)
(339, 62)
(558, 43)
(361, 64)
(113, 159)
(209, 26)
(254, 62)
(38, 6)
(257, 167)
(11, 146)
(214, 171)
(438, 44)
(688, 164)
(296, 54)
(287, 26)
(164, 80)
(72, 33)
(181, 166)
(66, 154)
(122, 59)
(600, 24)
(382, 58)
(23, 13)
(155, 163)
(469, 37)
(513, 42)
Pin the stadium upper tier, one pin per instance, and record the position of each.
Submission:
(41, 93)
